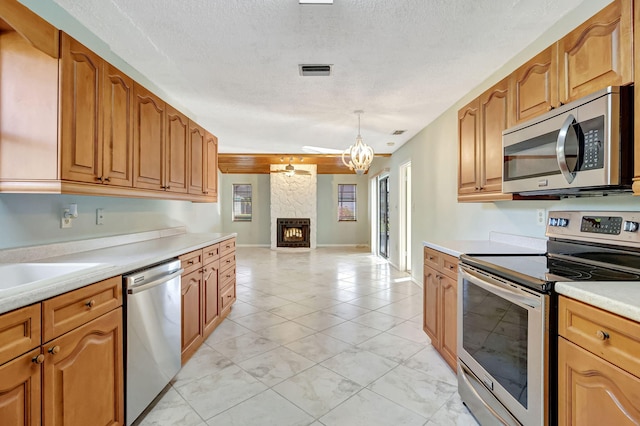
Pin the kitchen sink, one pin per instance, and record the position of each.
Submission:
(19, 275)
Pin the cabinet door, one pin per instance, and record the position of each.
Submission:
(534, 86)
(83, 375)
(196, 148)
(20, 391)
(211, 166)
(117, 111)
(597, 54)
(495, 117)
(210, 307)
(80, 113)
(468, 134)
(177, 158)
(192, 335)
(431, 306)
(449, 311)
(148, 140)
(593, 392)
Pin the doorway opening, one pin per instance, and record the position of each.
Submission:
(383, 216)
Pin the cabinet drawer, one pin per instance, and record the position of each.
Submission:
(19, 331)
(227, 246)
(191, 261)
(227, 296)
(609, 336)
(449, 266)
(432, 258)
(227, 262)
(211, 253)
(70, 310)
(227, 276)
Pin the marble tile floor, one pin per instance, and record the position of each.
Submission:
(328, 337)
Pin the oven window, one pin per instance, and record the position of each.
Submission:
(495, 334)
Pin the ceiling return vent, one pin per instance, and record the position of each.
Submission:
(307, 70)
(398, 132)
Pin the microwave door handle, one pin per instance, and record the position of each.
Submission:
(560, 148)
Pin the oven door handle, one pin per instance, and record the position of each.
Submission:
(503, 290)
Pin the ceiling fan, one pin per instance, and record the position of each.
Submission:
(289, 170)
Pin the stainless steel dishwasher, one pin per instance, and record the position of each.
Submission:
(153, 345)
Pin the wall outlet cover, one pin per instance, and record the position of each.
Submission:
(65, 222)
(540, 216)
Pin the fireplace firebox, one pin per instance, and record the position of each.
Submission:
(294, 232)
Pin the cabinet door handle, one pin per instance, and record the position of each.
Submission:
(99, 178)
(90, 304)
(205, 192)
(228, 260)
(38, 359)
(54, 350)
(107, 179)
(602, 335)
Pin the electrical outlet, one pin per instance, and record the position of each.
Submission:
(99, 216)
(540, 216)
(65, 222)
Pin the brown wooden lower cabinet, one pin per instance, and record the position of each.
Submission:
(76, 378)
(440, 287)
(597, 367)
(208, 291)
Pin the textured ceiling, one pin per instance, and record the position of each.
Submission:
(234, 64)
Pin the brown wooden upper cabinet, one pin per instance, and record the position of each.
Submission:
(197, 149)
(98, 132)
(211, 167)
(534, 86)
(177, 151)
(96, 118)
(480, 126)
(597, 54)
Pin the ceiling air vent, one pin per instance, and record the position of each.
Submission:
(314, 70)
(398, 132)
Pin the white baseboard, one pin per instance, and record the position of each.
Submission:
(253, 245)
(343, 245)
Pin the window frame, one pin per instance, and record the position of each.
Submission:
(239, 216)
(342, 202)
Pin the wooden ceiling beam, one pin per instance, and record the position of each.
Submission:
(260, 163)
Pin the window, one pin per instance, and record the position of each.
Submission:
(346, 202)
(241, 202)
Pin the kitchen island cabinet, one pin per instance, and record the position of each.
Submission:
(74, 378)
(440, 303)
(598, 367)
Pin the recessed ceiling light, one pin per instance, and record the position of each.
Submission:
(398, 132)
(315, 1)
(391, 143)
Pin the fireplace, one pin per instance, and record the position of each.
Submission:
(293, 232)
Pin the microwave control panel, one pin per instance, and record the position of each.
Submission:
(593, 153)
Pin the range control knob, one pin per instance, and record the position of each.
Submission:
(553, 221)
(563, 222)
(630, 226)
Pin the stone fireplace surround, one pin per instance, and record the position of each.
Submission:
(294, 197)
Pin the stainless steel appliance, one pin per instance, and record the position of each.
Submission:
(507, 313)
(153, 344)
(585, 146)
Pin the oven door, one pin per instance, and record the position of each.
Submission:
(502, 347)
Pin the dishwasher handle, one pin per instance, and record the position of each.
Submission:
(155, 283)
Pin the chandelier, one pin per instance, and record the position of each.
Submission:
(361, 155)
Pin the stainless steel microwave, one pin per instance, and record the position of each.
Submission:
(582, 147)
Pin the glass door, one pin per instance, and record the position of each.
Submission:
(383, 216)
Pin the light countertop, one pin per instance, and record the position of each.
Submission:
(497, 243)
(621, 298)
(112, 261)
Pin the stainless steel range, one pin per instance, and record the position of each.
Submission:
(507, 313)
